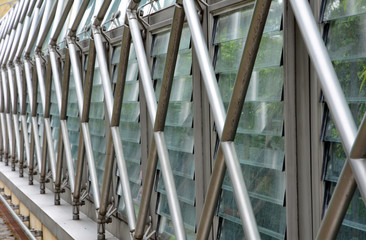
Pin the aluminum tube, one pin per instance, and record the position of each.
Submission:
(25, 136)
(143, 66)
(51, 151)
(234, 112)
(5, 90)
(123, 174)
(57, 78)
(102, 60)
(69, 160)
(16, 41)
(17, 135)
(36, 142)
(328, 78)
(91, 164)
(240, 191)
(5, 44)
(18, 77)
(174, 207)
(20, 222)
(209, 77)
(76, 71)
(152, 107)
(11, 89)
(207, 70)
(23, 37)
(4, 132)
(47, 18)
(28, 78)
(41, 82)
(108, 95)
(341, 115)
(10, 133)
(338, 205)
(162, 109)
(8, 47)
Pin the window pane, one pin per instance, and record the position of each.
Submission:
(343, 8)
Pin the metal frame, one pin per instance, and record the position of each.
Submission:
(18, 25)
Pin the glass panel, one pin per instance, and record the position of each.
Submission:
(130, 131)
(155, 6)
(186, 188)
(343, 8)
(260, 150)
(182, 163)
(357, 110)
(352, 76)
(235, 25)
(188, 213)
(181, 89)
(161, 42)
(131, 92)
(179, 138)
(271, 218)
(262, 183)
(183, 66)
(130, 111)
(265, 85)
(269, 53)
(346, 38)
(336, 159)
(180, 114)
(178, 133)
(259, 140)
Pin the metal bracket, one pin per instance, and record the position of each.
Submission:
(148, 234)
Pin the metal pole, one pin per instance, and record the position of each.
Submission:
(63, 125)
(63, 128)
(20, 82)
(84, 126)
(342, 118)
(168, 179)
(234, 112)
(7, 116)
(33, 105)
(240, 192)
(47, 124)
(16, 137)
(167, 81)
(115, 112)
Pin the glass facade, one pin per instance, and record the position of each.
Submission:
(269, 152)
(344, 24)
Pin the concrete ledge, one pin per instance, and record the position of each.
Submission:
(58, 219)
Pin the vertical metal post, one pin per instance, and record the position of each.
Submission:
(162, 109)
(168, 179)
(342, 117)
